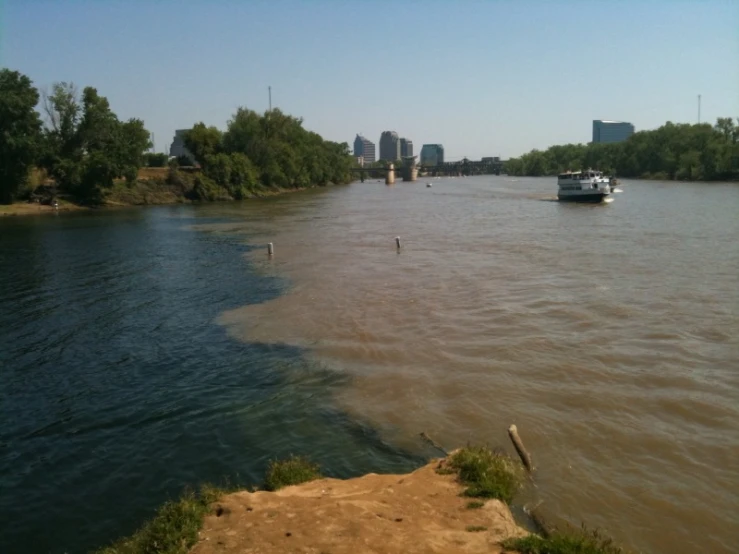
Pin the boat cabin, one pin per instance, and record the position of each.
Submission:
(580, 175)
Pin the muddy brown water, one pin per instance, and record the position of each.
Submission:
(609, 334)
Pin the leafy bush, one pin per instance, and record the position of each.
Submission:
(152, 159)
(206, 189)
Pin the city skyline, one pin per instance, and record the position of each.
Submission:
(511, 90)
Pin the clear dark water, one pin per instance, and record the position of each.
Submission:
(118, 389)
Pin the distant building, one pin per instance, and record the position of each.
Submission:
(490, 159)
(365, 149)
(406, 148)
(432, 154)
(389, 146)
(177, 148)
(611, 131)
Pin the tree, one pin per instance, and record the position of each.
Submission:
(20, 132)
(202, 141)
(87, 146)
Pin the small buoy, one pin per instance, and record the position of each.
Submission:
(397, 242)
(270, 249)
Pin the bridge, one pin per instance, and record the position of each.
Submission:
(410, 170)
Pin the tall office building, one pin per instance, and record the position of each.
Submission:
(611, 131)
(432, 154)
(177, 148)
(389, 146)
(365, 149)
(406, 147)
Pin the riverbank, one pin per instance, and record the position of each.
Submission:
(453, 504)
(154, 187)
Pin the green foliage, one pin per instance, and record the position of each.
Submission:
(692, 152)
(476, 528)
(20, 132)
(152, 159)
(293, 471)
(571, 541)
(271, 150)
(183, 161)
(233, 172)
(202, 141)
(86, 146)
(475, 504)
(487, 474)
(174, 528)
(206, 189)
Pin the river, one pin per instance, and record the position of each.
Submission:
(145, 350)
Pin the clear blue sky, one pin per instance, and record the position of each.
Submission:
(484, 78)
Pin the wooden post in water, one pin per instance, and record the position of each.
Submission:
(270, 249)
(397, 242)
(518, 443)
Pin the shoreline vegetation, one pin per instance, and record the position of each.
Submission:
(673, 152)
(75, 151)
(460, 502)
(153, 187)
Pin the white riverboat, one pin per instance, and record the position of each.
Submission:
(583, 186)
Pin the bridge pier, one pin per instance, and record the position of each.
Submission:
(410, 173)
(410, 169)
(390, 177)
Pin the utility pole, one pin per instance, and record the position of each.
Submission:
(699, 109)
(270, 98)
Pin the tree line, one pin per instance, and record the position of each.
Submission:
(674, 151)
(84, 148)
(258, 151)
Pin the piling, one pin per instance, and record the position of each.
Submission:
(518, 443)
(270, 249)
(397, 242)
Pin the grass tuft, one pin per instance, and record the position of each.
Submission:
(475, 504)
(293, 471)
(487, 474)
(174, 528)
(476, 528)
(571, 541)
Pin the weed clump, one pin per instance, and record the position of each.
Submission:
(476, 528)
(293, 471)
(487, 474)
(174, 528)
(570, 541)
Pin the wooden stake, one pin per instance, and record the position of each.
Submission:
(525, 458)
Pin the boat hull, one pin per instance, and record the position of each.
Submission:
(583, 198)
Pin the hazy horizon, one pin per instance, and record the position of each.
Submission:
(481, 78)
